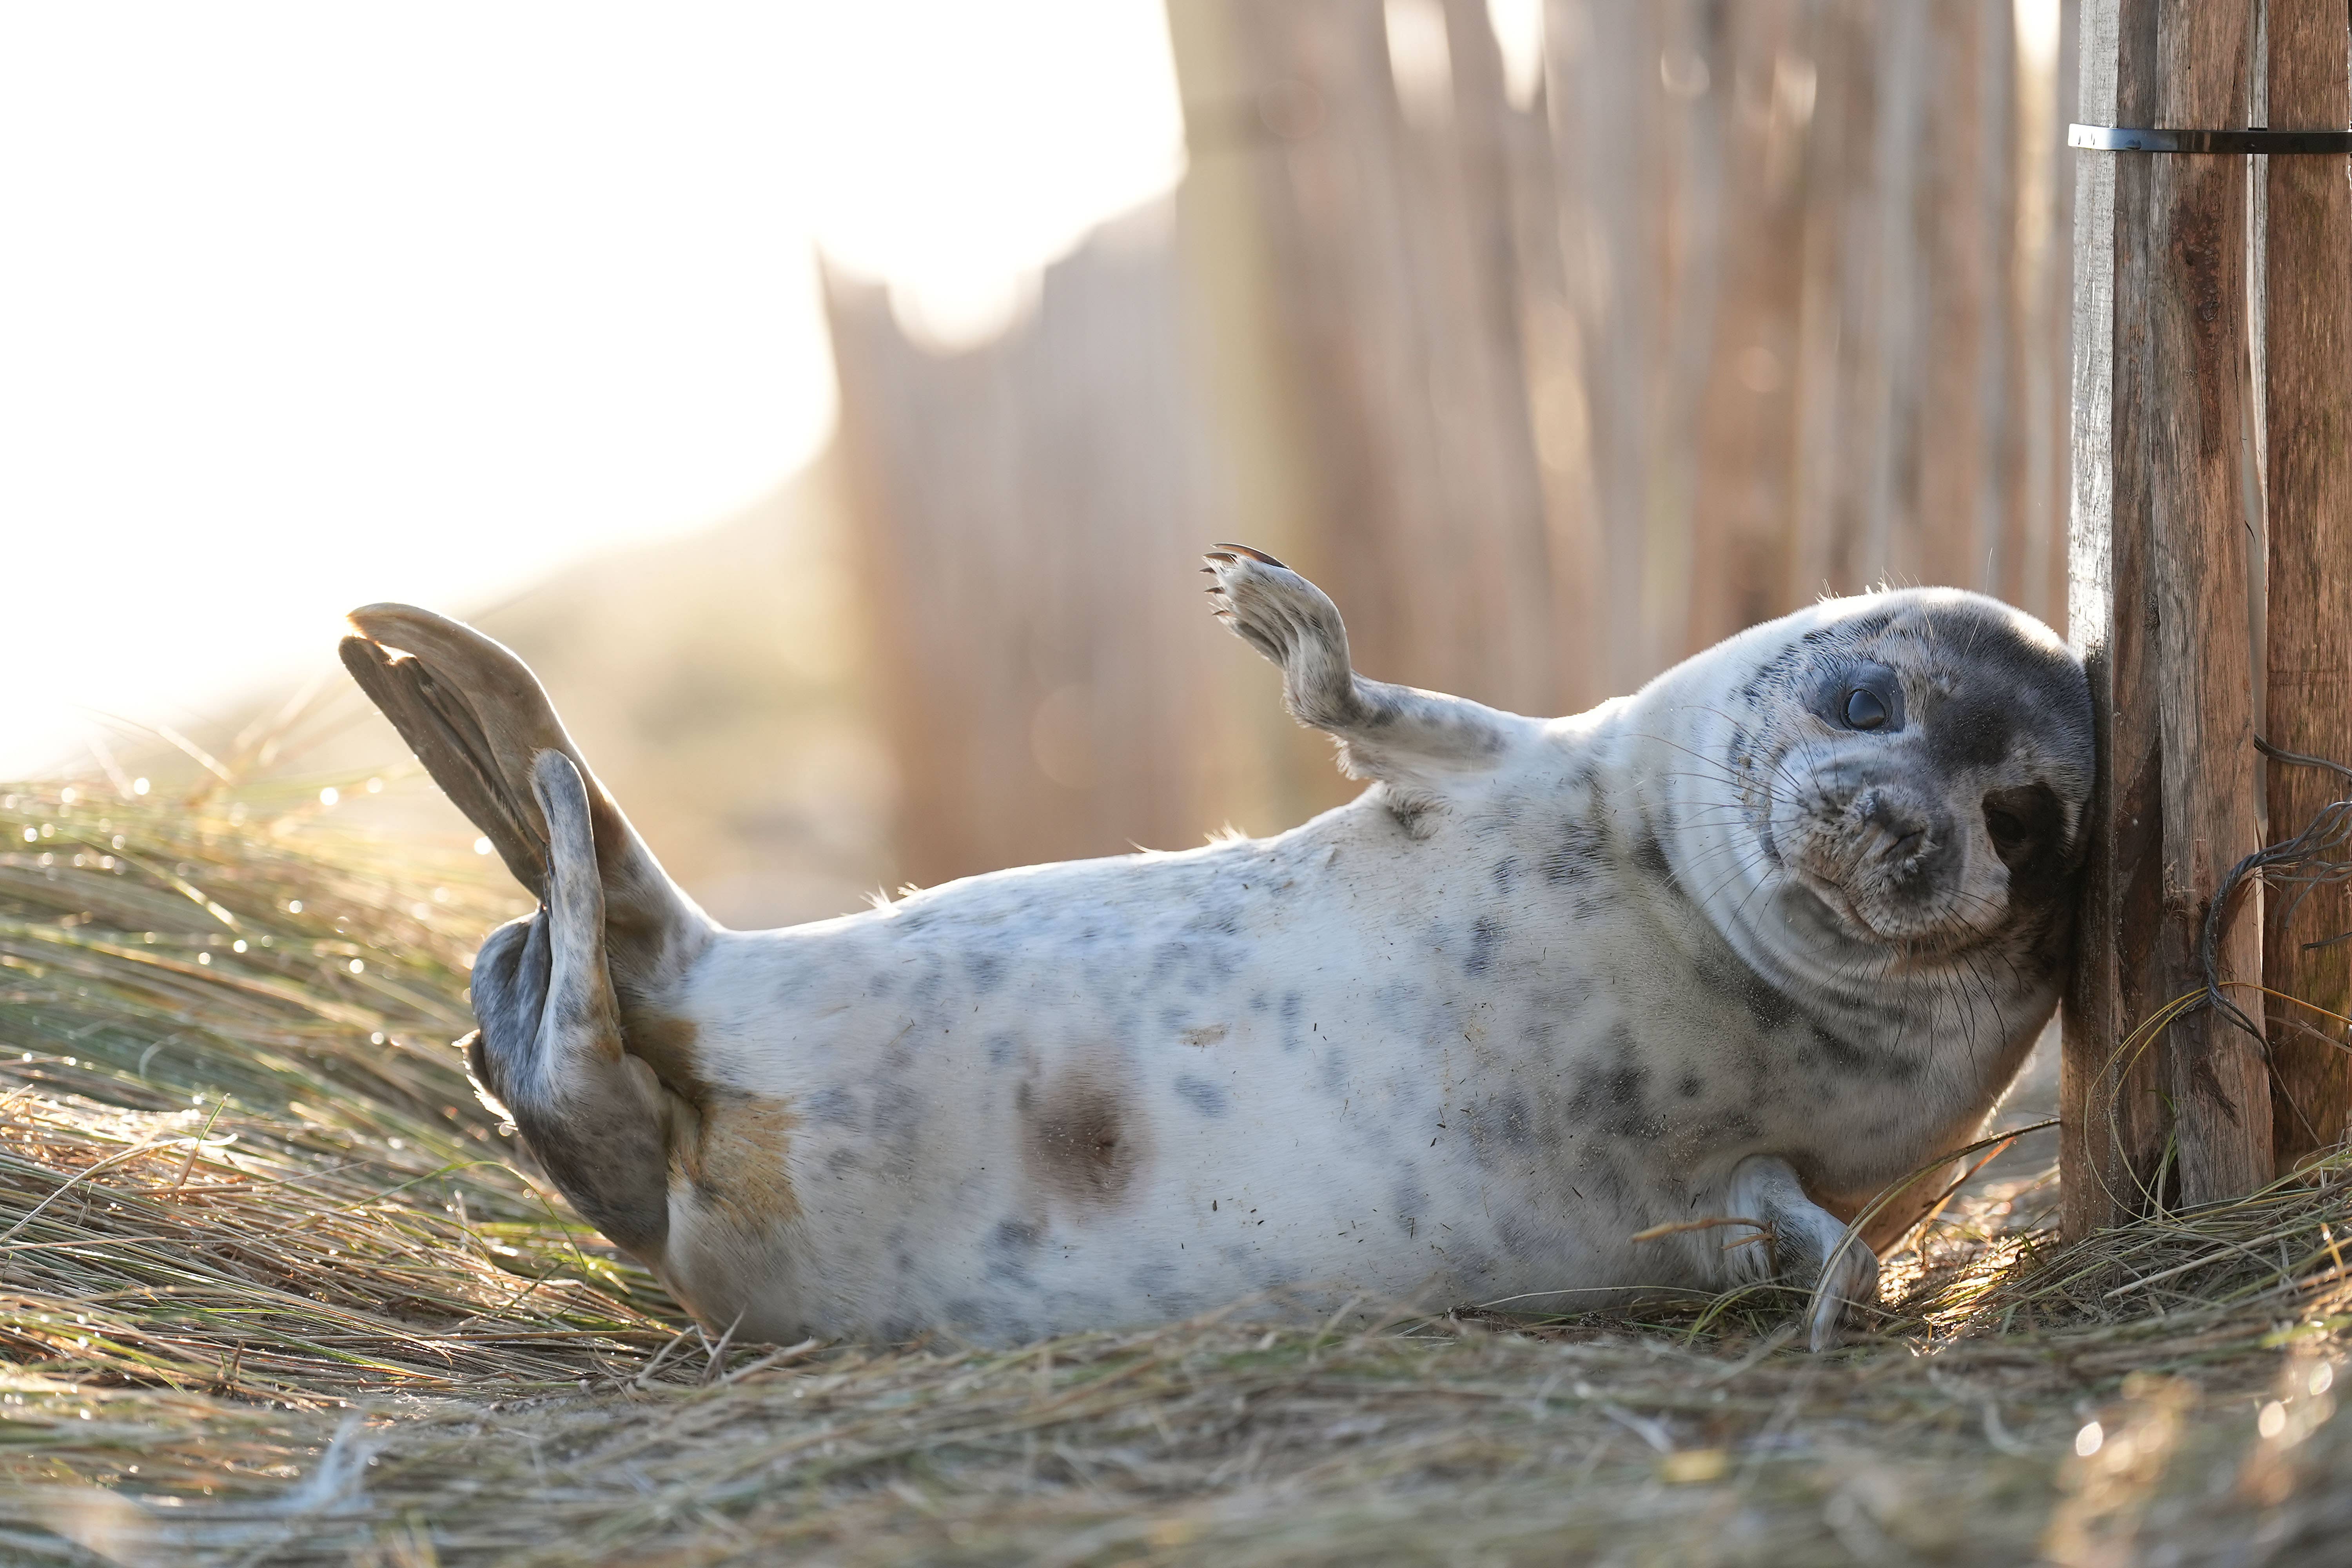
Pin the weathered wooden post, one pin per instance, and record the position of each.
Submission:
(2308, 419)
(2162, 543)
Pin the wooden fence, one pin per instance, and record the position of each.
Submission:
(2213, 562)
(1738, 304)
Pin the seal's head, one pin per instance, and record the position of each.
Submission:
(1920, 760)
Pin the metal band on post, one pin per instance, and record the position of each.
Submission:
(2133, 139)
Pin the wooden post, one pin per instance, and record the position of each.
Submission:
(2159, 611)
(2309, 421)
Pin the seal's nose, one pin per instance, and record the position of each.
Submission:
(1893, 831)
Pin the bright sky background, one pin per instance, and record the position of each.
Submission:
(303, 305)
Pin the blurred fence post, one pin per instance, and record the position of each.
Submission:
(1386, 223)
(1030, 512)
(1550, 377)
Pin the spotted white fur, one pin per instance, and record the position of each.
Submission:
(1505, 1028)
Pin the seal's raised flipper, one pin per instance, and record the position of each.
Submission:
(476, 718)
(550, 1047)
(1798, 1242)
(1415, 740)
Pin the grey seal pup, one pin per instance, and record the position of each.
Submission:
(1742, 947)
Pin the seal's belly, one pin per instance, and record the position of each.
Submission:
(1106, 1117)
(1009, 1138)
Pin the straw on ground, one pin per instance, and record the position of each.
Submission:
(271, 1291)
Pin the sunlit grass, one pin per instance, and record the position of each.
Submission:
(238, 1152)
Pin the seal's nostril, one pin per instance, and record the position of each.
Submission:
(1895, 834)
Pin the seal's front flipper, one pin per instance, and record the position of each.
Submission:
(1800, 1242)
(550, 1051)
(1416, 741)
(476, 718)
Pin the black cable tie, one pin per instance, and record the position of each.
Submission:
(2138, 139)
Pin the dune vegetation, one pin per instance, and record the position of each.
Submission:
(275, 1289)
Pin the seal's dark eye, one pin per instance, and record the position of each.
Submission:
(1861, 695)
(2007, 830)
(2021, 823)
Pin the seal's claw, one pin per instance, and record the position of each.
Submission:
(1260, 556)
(1852, 1281)
(1286, 619)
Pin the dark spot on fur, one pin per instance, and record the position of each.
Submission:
(1016, 1238)
(1827, 1047)
(1334, 1076)
(1486, 936)
(1082, 1139)
(1768, 1009)
(1522, 1235)
(1854, 1061)
(1971, 730)
(1407, 1201)
(898, 1111)
(1208, 1099)
(1650, 856)
(1689, 1086)
(1602, 1180)
(986, 970)
(1574, 856)
(1851, 629)
(835, 1107)
(1614, 1100)
(1506, 1121)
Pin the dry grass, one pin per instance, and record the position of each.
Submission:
(268, 1294)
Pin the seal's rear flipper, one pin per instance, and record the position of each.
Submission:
(550, 1047)
(476, 718)
(1417, 742)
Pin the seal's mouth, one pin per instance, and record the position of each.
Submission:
(1891, 866)
(1834, 895)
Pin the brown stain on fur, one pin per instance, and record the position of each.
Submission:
(665, 1044)
(733, 1155)
(729, 1146)
(1082, 1137)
